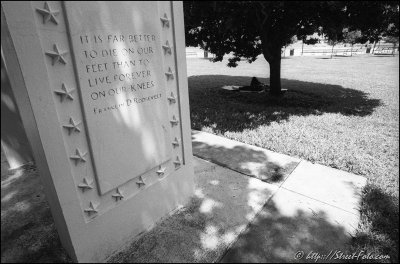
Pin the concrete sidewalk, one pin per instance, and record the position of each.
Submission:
(313, 210)
(330, 186)
(250, 205)
(254, 205)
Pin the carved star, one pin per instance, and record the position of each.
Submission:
(174, 121)
(161, 171)
(167, 48)
(169, 74)
(140, 182)
(118, 195)
(72, 126)
(48, 14)
(78, 157)
(172, 98)
(177, 162)
(85, 185)
(175, 143)
(65, 93)
(165, 21)
(92, 208)
(57, 55)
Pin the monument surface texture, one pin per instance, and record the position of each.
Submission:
(102, 92)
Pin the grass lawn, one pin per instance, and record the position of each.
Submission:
(341, 112)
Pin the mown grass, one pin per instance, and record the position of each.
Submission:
(341, 112)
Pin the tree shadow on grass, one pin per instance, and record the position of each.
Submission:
(234, 111)
(380, 224)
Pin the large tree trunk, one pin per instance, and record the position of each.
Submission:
(275, 76)
(272, 54)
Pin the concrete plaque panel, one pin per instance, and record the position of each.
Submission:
(122, 84)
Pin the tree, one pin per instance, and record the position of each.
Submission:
(249, 28)
(308, 41)
(331, 26)
(352, 37)
(394, 40)
(375, 19)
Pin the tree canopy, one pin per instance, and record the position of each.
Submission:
(250, 28)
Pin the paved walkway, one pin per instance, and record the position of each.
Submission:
(254, 205)
(312, 209)
(250, 205)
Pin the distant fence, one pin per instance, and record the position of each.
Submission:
(385, 51)
(192, 52)
(346, 51)
(382, 49)
(334, 52)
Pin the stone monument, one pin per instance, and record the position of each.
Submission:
(102, 92)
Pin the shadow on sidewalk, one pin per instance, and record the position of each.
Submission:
(223, 204)
(244, 159)
(277, 238)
